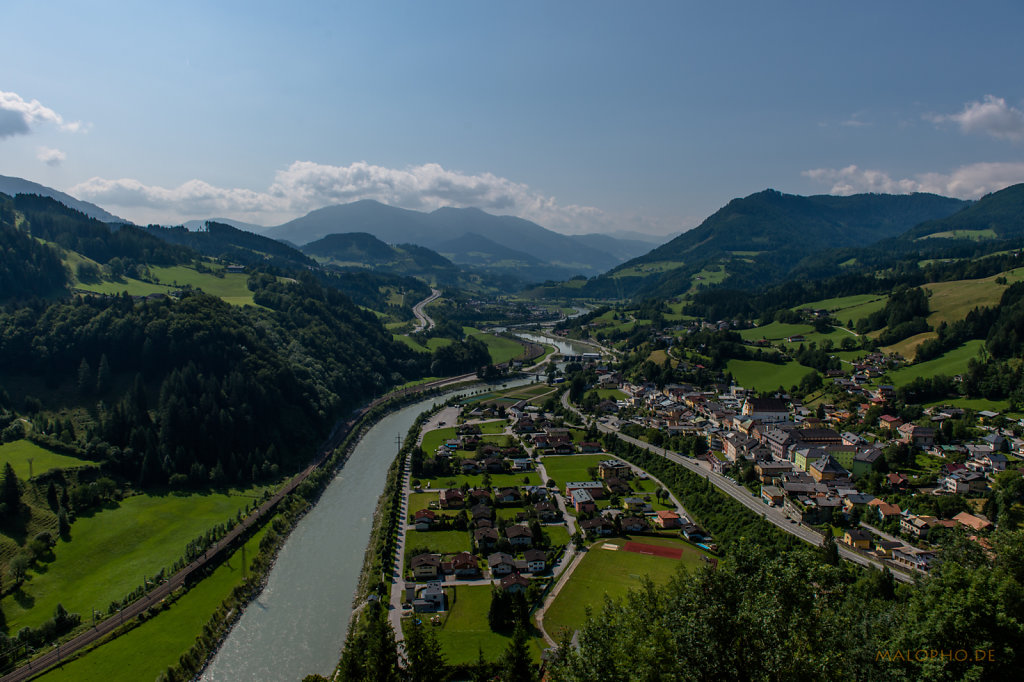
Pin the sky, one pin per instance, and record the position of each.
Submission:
(583, 116)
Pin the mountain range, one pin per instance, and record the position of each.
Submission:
(469, 236)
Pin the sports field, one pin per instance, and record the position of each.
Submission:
(612, 573)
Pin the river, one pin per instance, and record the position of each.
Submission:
(564, 346)
(297, 625)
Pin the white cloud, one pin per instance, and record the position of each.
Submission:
(993, 117)
(51, 156)
(18, 116)
(304, 186)
(967, 182)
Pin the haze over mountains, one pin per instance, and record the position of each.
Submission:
(752, 240)
(469, 236)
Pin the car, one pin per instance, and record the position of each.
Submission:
(441, 423)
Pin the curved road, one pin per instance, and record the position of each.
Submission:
(746, 498)
(424, 321)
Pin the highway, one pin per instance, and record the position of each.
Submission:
(736, 491)
(424, 321)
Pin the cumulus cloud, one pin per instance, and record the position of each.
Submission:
(17, 116)
(304, 186)
(51, 156)
(967, 182)
(993, 116)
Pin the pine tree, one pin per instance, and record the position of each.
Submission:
(86, 380)
(425, 661)
(10, 492)
(103, 375)
(516, 663)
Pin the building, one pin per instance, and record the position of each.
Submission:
(765, 410)
(857, 538)
(667, 518)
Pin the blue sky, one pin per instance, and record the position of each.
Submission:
(584, 116)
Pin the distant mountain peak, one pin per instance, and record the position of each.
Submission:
(12, 185)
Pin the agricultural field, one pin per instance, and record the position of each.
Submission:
(951, 363)
(648, 269)
(976, 235)
(977, 404)
(613, 573)
(908, 346)
(714, 274)
(19, 452)
(765, 376)
(535, 394)
(112, 550)
(951, 301)
(232, 287)
(149, 649)
(843, 303)
(465, 631)
(775, 331)
(131, 286)
(502, 349)
(564, 468)
(431, 345)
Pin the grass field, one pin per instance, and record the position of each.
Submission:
(536, 394)
(976, 235)
(951, 301)
(497, 480)
(977, 404)
(134, 287)
(432, 440)
(112, 550)
(232, 287)
(775, 331)
(565, 468)
(494, 427)
(465, 631)
(502, 349)
(148, 650)
(648, 269)
(439, 541)
(19, 452)
(612, 573)
(951, 363)
(557, 534)
(419, 501)
(908, 346)
(765, 376)
(609, 393)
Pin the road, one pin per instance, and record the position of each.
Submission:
(739, 493)
(424, 321)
